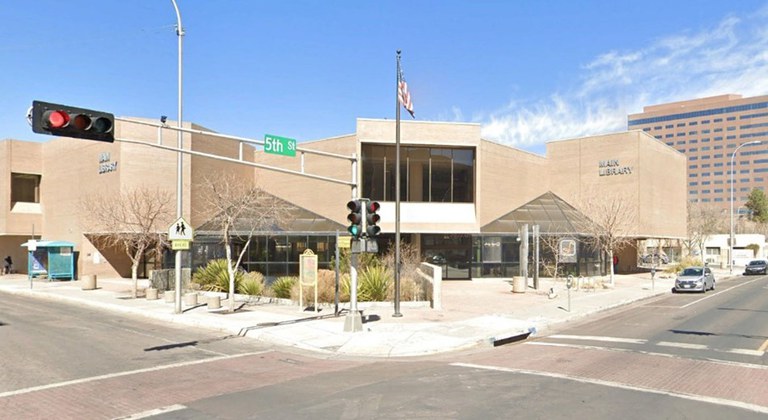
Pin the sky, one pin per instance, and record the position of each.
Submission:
(528, 72)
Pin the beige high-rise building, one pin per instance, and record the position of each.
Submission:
(709, 131)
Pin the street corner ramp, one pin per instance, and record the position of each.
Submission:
(501, 330)
(503, 339)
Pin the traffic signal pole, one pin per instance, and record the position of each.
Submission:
(353, 322)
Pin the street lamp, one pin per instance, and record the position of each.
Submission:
(179, 185)
(733, 169)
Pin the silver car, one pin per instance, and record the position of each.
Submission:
(695, 279)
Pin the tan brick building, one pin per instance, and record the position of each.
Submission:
(462, 197)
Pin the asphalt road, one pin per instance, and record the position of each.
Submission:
(666, 357)
(44, 342)
(728, 324)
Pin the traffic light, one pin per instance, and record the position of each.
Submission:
(68, 121)
(356, 218)
(372, 218)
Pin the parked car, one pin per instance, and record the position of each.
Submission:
(756, 267)
(655, 259)
(695, 279)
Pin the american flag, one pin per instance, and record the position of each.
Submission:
(403, 95)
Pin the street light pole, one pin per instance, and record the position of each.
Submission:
(732, 237)
(179, 144)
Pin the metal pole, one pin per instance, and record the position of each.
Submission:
(397, 313)
(732, 236)
(336, 295)
(536, 257)
(179, 142)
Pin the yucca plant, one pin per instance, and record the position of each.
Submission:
(213, 277)
(281, 288)
(374, 283)
(252, 284)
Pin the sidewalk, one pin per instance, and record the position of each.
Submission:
(482, 312)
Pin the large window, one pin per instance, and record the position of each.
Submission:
(427, 174)
(25, 188)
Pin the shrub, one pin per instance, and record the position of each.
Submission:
(410, 290)
(326, 286)
(685, 262)
(364, 260)
(281, 288)
(375, 284)
(252, 284)
(214, 277)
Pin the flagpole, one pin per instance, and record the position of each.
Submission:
(397, 313)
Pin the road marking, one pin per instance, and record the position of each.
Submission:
(126, 373)
(599, 338)
(647, 353)
(155, 412)
(719, 292)
(682, 345)
(713, 400)
(748, 352)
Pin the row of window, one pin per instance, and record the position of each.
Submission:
(427, 174)
(708, 130)
(703, 113)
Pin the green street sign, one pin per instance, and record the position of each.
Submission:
(279, 145)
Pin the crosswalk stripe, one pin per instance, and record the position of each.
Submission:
(599, 338)
(702, 398)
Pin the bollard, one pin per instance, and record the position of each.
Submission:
(89, 282)
(151, 293)
(519, 284)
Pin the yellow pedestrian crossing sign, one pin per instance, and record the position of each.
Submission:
(180, 230)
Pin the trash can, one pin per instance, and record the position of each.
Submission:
(89, 282)
(519, 284)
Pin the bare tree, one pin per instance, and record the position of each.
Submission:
(133, 220)
(552, 248)
(239, 209)
(703, 222)
(609, 224)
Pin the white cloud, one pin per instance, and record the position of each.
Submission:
(729, 58)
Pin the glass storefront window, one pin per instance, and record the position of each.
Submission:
(427, 174)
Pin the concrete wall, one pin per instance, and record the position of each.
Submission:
(508, 178)
(324, 198)
(631, 165)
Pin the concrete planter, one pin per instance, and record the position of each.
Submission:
(190, 299)
(89, 282)
(170, 296)
(151, 293)
(213, 302)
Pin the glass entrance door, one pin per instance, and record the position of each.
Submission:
(451, 252)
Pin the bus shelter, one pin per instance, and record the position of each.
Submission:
(52, 259)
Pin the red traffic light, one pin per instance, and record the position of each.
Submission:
(56, 119)
(69, 121)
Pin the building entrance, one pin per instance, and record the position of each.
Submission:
(451, 252)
